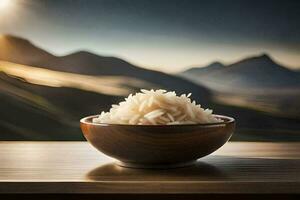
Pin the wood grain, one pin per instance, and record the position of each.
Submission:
(76, 167)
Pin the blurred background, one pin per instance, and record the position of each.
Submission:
(61, 60)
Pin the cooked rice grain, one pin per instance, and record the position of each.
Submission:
(157, 107)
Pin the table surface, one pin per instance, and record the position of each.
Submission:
(76, 167)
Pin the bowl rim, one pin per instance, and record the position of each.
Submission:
(228, 120)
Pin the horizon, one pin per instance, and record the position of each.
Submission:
(133, 63)
(161, 35)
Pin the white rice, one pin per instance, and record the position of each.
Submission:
(157, 107)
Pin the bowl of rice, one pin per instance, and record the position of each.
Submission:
(157, 129)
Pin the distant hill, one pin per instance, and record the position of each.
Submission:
(21, 51)
(201, 71)
(257, 82)
(253, 72)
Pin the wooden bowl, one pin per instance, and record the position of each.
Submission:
(157, 146)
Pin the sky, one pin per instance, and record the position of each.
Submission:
(167, 35)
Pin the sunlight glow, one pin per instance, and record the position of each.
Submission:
(109, 85)
(5, 4)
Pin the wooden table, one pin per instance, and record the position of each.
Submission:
(76, 167)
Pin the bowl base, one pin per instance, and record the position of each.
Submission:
(155, 166)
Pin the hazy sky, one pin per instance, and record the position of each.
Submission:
(160, 34)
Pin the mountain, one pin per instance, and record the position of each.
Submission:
(201, 71)
(257, 82)
(43, 96)
(259, 71)
(16, 49)
(251, 73)
(21, 51)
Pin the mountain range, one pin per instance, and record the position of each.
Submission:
(43, 96)
(256, 82)
(251, 73)
(21, 51)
